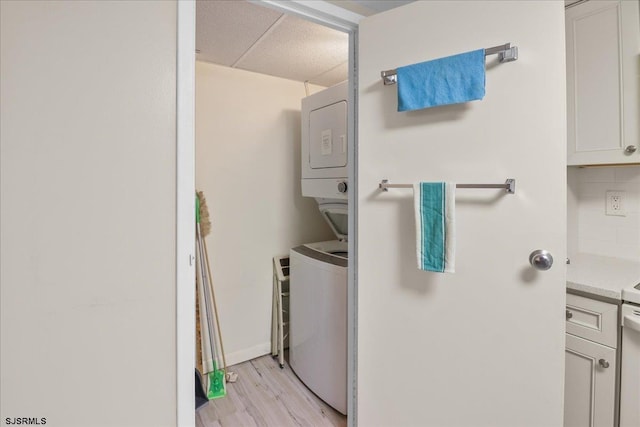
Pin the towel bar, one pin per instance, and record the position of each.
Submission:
(509, 185)
(505, 52)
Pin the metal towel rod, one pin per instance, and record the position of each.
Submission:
(509, 185)
(505, 52)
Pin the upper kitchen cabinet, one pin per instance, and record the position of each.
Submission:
(603, 89)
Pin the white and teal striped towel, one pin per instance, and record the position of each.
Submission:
(435, 225)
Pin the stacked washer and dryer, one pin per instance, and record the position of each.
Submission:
(318, 271)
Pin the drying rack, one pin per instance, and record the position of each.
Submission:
(280, 308)
(505, 52)
(509, 185)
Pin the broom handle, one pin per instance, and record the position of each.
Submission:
(199, 328)
(207, 298)
(215, 307)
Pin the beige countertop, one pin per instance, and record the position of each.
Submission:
(602, 276)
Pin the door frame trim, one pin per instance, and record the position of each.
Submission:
(320, 12)
(185, 209)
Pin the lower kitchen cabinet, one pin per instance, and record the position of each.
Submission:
(590, 380)
(591, 363)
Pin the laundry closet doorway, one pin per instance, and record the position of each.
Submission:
(247, 154)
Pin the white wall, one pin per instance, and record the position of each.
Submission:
(595, 232)
(88, 142)
(248, 165)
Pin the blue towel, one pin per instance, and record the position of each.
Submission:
(450, 80)
(435, 225)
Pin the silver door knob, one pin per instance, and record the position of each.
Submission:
(630, 149)
(541, 260)
(569, 315)
(603, 363)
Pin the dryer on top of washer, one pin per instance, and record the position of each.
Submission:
(324, 143)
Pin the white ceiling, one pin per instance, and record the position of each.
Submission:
(239, 34)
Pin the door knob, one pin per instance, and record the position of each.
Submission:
(569, 315)
(603, 363)
(541, 260)
(630, 149)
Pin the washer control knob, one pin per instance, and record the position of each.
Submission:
(342, 187)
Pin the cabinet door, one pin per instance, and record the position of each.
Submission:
(589, 385)
(603, 42)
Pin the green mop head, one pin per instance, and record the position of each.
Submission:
(216, 384)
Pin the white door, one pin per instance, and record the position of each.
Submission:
(483, 346)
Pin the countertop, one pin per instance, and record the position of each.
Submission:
(602, 276)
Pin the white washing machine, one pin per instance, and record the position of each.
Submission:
(318, 311)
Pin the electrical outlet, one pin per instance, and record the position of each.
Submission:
(615, 203)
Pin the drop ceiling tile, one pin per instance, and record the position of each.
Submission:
(333, 76)
(225, 30)
(297, 49)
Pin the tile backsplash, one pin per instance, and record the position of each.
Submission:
(590, 230)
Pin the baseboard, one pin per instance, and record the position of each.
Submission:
(248, 354)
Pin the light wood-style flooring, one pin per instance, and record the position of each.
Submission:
(266, 396)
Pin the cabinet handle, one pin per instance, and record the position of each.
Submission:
(569, 315)
(603, 363)
(630, 149)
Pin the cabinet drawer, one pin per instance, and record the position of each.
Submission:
(592, 319)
